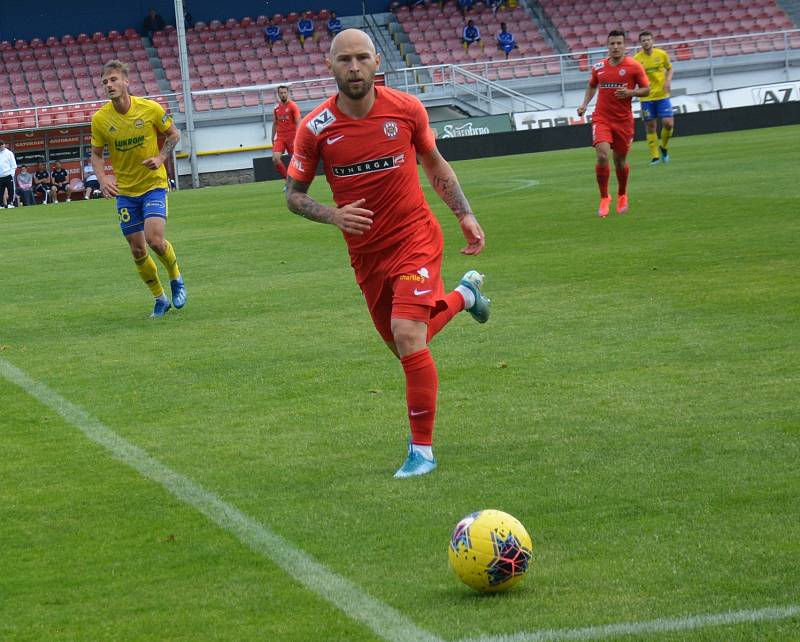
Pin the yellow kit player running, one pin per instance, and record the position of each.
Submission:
(658, 67)
(129, 126)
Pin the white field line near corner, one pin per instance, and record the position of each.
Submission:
(654, 627)
(385, 621)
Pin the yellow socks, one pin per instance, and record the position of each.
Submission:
(170, 261)
(652, 144)
(148, 272)
(666, 134)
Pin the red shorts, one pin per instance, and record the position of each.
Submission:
(280, 145)
(403, 281)
(620, 135)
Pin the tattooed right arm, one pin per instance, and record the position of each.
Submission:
(351, 218)
(299, 202)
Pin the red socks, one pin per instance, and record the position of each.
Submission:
(602, 174)
(440, 317)
(422, 384)
(622, 179)
(281, 168)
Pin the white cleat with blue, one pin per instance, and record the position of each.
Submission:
(473, 281)
(415, 464)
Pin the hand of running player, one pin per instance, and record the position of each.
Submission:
(473, 233)
(109, 187)
(353, 218)
(154, 162)
(623, 92)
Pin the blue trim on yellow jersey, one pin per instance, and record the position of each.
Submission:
(133, 210)
(652, 109)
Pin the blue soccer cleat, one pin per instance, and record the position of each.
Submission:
(415, 464)
(178, 292)
(473, 281)
(664, 154)
(160, 308)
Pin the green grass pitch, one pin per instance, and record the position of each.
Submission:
(633, 401)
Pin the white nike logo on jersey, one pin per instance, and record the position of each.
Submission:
(334, 139)
(419, 292)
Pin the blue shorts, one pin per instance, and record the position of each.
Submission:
(133, 210)
(652, 109)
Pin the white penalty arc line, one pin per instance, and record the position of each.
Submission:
(382, 619)
(663, 625)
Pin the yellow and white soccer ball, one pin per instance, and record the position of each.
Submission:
(490, 551)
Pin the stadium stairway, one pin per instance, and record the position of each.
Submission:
(792, 9)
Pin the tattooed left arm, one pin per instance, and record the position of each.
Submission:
(445, 183)
(173, 138)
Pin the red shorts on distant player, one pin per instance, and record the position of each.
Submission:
(280, 145)
(620, 135)
(403, 280)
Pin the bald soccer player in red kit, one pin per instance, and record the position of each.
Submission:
(619, 78)
(369, 139)
(285, 118)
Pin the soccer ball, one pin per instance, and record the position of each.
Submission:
(490, 551)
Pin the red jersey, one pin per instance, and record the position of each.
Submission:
(374, 158)
(628, 73)
(285, 120)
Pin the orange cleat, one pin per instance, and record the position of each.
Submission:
(605, 204)
(622, 203)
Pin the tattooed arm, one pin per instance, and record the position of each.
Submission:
(173, 138)
(351, 218)
(444, 181)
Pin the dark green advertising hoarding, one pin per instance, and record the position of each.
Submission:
(472, 126)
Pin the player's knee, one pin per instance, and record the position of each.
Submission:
(276, 160)
(156, 243)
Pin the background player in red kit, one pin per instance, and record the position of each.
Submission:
(369, 139)
(619, 78)
(286, 117)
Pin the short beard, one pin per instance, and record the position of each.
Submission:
(355, 95)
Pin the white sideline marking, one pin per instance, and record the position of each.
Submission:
(663, 625)
(382, 619)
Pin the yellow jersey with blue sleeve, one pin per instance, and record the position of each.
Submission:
(132, 138)
(656, 65)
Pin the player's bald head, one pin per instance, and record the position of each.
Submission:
(352, 38)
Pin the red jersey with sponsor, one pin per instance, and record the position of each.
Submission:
(627, 74)
(374, 158)
(286, 116)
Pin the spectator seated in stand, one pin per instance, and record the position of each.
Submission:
(42, 184)
(305, 28)
(272, 33)
(505, 40)
(60, 179)
(152, 23)
(334, 25)
(471, 35)
(25, 187)
(90, 182)
(494, 5)
(464, 6)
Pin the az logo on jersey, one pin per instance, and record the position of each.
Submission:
(321, 121)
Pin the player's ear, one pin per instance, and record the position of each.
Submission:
(377, 61)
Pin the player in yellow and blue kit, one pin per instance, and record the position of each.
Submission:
(658, 67)
(129, 127)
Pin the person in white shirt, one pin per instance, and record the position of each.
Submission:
(8, 167)
(90, 181)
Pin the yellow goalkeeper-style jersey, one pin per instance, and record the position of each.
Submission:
(656, 66)
(132, 138)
